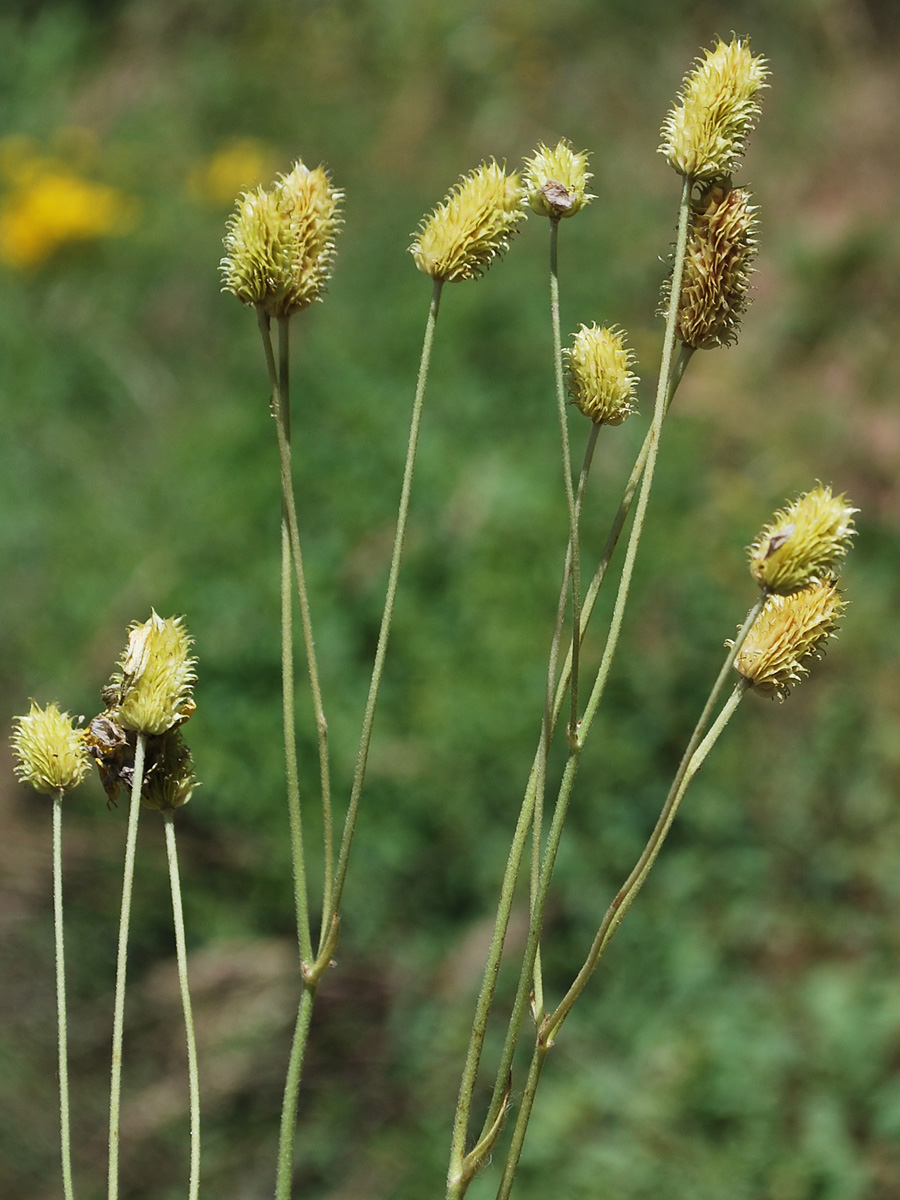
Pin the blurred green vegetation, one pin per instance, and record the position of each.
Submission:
(742, 1038)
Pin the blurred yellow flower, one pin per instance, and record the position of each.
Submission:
(48, 205)
(238, 166)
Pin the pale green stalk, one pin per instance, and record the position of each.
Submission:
(62, 1035)
(288, 1125)
(115, 1086)
(362, 755)
(181, 959)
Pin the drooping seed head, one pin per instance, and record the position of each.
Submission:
(280, 242)
(807, 540)
(718, 262)
(704, 134)
(789, 633)
(598, 375)
(50, 752)
(472, 227)
(556, 180)
(156, 675)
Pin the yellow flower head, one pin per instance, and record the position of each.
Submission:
(704, 135)
(169, 775)
(718, 262)
(279, 243)
(240, 163)
(788, 634)
(50, 752)
(599, 378)
(152, 691)
(807, 540)
(472, 227)
(556, 180)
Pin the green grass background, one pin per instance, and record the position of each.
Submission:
(742, 1039)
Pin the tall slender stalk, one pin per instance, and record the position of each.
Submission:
(288, 1126)
(62, 1035)
(181, 959)
(115, 1087)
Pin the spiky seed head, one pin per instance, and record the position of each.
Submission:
(169, 776)
(50, 752)
(809, 539)
(279, 244)
(704, 134)
(556, 180)
(789, 633)
(156, 675)
(718, 263)
(472, 227)
(598, 374)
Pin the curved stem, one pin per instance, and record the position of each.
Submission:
(115, 1086)
(291, 1091)
(62, 1035)
(388, 613)
(181, 958)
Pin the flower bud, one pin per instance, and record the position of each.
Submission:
(279, 243)
(50, 752)
(718, 261)
(804, 541)
(704, 134)
(556, 180)
(599, 379)
(156, 677)
(472, 227)
(788, 634)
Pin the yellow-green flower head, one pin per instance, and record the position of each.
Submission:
(598, 375)
(169, 776)
(704, 134)
(556, 180)
(807, 540)
(156, 677)
(279, 243)
(472, 227)
(718, 264)
(50, 752)
(788, 634)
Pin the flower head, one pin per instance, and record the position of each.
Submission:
(599, 378)
(152, 691)
(704, 134)
(806, 540)
(789, 633)
(50, 752)
(556, 180)
(169, 775)
(472, 227)
(279, 243)
(718, 261)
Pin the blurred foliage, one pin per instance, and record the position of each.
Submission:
(742, 1038)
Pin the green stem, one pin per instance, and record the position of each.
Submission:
(115, 1086)
(291, 1090)
(362, 756)
(181, 958)
(62, 1035)
(538, 1058)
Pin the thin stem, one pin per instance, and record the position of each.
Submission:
(291, 1090)
(62, 1035)
(362, 756)
(115, 1086)
(538, 1058)
(181, 958)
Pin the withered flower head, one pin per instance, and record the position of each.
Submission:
(156, 677)
(556, 180)
(718, 262)
(598, 375)
(704, 134)
(169, 777)
(50, 752)
(279, 244)
(472, 227)
(788, 634)
(806, 540)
